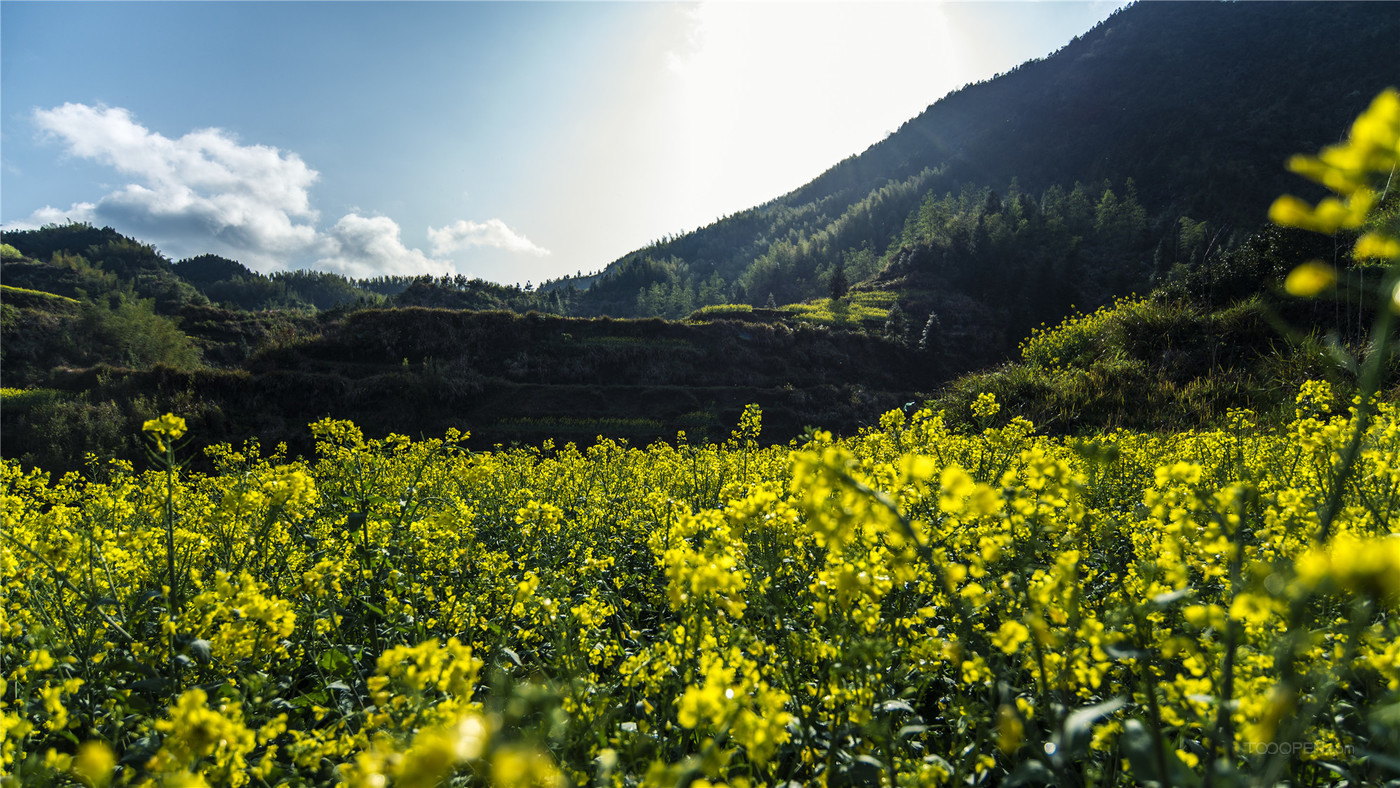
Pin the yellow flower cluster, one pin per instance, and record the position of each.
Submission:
(241, 622)
(1354, 171)
(1361, 565)
(167, 427)
(212, 743)
(1372, 148)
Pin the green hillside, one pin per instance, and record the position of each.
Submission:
(1156, 139)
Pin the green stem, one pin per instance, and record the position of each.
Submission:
(1370, 383)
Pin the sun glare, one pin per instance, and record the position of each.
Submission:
(767, 95)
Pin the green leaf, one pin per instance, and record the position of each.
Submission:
(141, 751)
(1125, 652)
(1140, 747)
(200, 650)
(894, 705)
(334, 661)
(1336, 769)
(1031, 772)
(863, 771)
(1079, 726)
(1137, 746)
(1388, 762)
(154, 686)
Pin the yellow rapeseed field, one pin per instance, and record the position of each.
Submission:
(907, 606)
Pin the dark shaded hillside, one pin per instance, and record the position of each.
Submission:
(502, 376)
(1198, 104)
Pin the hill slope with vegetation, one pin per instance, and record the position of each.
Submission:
(1155, 140)
(103, 349)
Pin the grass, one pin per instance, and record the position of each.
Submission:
(25, 399)
(601, 426)
(1152, 365)
(862, 309)
(723, 312)
(10, 292)
(638, 342)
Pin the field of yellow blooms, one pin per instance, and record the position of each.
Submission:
(903, 607)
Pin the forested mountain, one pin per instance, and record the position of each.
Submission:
(1155, 139)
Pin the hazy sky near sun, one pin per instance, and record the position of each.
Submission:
(511, 141)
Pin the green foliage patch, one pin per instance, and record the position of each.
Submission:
(865, 309)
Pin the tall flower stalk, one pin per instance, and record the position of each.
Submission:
(162, 433)
(1360, 172)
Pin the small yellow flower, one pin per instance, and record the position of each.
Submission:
(1328, 217)
(986, 406)
(514, 765)
(1010, 637)
(1010, 731)
(1362, 565)
(168, 426)
(1289, 211)
(94, 763)
(1309, 279)
(1375, 246)
(1379, 126)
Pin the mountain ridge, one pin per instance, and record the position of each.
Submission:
(1074, 117)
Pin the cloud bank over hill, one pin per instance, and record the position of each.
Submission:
(208, 192)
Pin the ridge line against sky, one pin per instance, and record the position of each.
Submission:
(511, 141)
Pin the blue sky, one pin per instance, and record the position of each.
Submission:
(512, 141)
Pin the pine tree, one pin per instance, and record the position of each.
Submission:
(897, 325)
(839, 285)
(932, 339)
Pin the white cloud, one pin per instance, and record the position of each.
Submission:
(77, 212)
(365, 246)
(203, 189)
(207, 192)
(492, 232)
